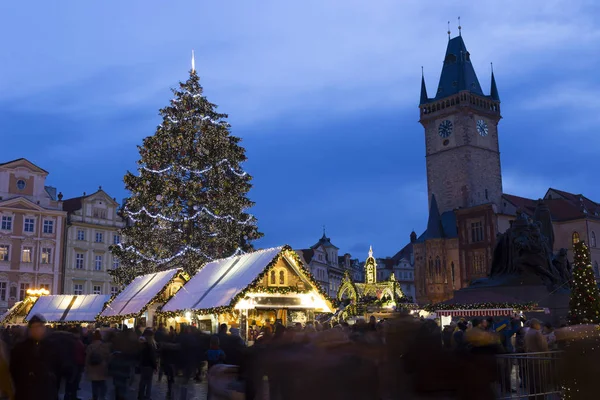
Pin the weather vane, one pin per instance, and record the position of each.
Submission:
(448, 30)
(459, 27)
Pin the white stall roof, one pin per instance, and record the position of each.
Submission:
(69, 308)
(139, 293)
(219, 281)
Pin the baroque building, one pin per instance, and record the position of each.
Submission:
(31, 232)
(93, 225)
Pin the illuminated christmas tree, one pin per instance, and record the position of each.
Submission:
(188, 203)
(584, 306)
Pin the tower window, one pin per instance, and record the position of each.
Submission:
(486, 194)
(476, 232)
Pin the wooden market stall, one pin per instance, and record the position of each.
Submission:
(16, 314)
(68, 308)
(137, 303)
(249, 291)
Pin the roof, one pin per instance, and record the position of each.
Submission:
(217, 283)
(325, 242)
(439, 226)
(405, 252)
(576, 199)
(494, 89)
(23, 159)
(458, 73)
(139, 293)
(75, 203)
(69, 308)
(568, 207)
(307, 255)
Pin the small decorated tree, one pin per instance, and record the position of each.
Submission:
(584, 306)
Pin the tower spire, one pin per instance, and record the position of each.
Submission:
(193, 61)
(424, 97)
(448, 30)
(494, 89)
(459, 27)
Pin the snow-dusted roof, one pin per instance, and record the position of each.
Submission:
(69, 308)
(219, 281)
(139, 293)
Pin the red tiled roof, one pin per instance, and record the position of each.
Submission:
(565, 209)
(73, 204)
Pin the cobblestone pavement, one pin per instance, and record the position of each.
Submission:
(159, 390)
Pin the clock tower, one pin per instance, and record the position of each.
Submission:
(461, 135)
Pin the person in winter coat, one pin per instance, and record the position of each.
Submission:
(96, 365)
(119, 366)
(6, 385)
(33, 364)
(148, 364)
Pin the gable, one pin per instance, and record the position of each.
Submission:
(23, 163)
(101, 195)
(21, 203)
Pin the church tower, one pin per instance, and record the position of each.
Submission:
(461, 135)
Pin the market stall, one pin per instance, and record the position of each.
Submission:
(248, 291)
(68, 308)
(137, 303)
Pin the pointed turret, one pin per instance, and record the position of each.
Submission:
(434, 224)
(424, 97)
(494, 89)
(458, 73)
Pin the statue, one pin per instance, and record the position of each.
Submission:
(524, 249)
(543, 216)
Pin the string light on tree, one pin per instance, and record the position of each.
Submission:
(189, 203)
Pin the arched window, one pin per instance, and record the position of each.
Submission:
(575, 238)
(282, 277)
(273, 278)
(452, 273)
(596, 270)
(430, 268)
(593, 239)
(438, 266)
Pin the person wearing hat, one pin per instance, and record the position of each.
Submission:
(33, 364)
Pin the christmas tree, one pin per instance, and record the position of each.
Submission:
(188, 204)
(584, 306)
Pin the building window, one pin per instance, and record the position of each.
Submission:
(478, 264)
(96, 289)
(48, 226)
(596, 270)
(4, 252)
(575, 238)
(99, 213)
(114, 290)
(115, 263)
(23, 291)
(21, 184)
(98, 263)
(6, 224)
(116, 239)
(80, 234)
(29, 225)
(46, 255)
(273, 278)
(476, 232)
(282, 277)
(78, 289)
(3, 286)
(45, 286)
(26, 254)
(79, 261)
(99, 237)
(593, 239)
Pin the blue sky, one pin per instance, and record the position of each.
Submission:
(324, 94)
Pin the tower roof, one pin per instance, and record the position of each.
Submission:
(457, 73)
(424, 98)
(325, 242)
(434, 224)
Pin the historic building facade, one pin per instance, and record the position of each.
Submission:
(31, 232)
(92, 227)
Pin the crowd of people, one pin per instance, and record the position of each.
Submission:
(402, 357)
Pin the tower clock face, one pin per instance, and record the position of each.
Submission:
(445, 128)
(482, 127)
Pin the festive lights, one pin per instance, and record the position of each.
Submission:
(584, 305)
(529, 306)
(195, 171)
(202, 210)
(162, 261)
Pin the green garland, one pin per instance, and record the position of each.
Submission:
(118, 318)
(529, 306)
(256, 287)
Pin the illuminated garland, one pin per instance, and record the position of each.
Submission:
(195, 171)
(529, 306)
(118, 318)
(256, 287)
(160, 261)
(584, 304)
(15, 311)
(202, 210)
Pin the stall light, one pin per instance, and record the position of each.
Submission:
(38, 292)
(188, 315)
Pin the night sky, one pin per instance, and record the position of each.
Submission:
(324, 94)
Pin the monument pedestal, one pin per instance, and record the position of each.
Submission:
(518, 289)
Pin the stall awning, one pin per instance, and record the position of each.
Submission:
(491, 312)
(139, 293)
(69, 308)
